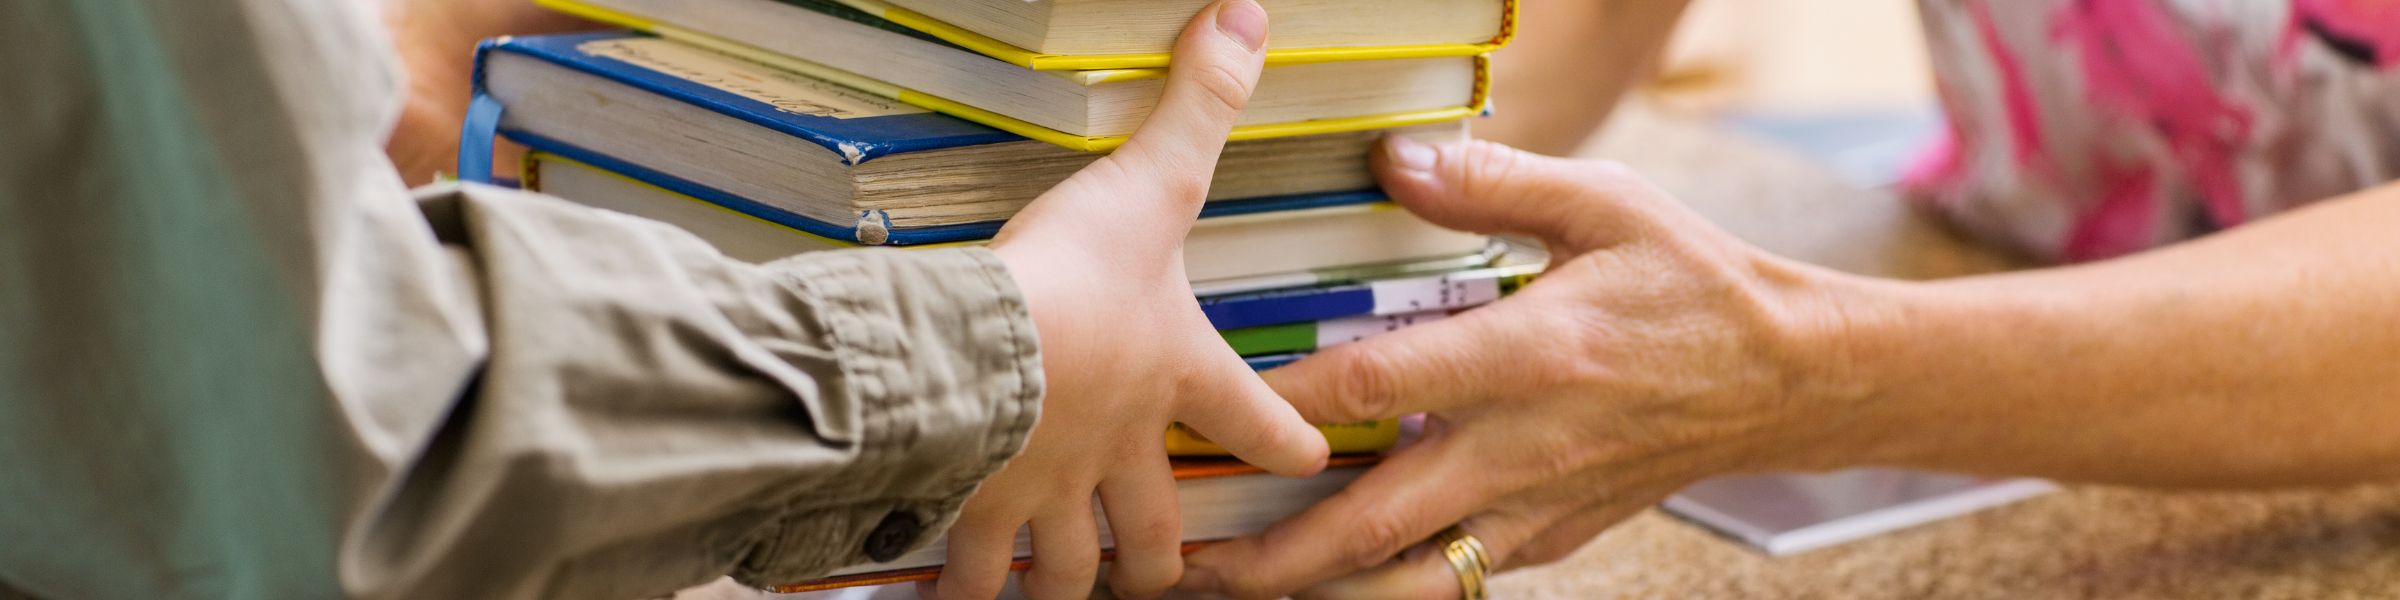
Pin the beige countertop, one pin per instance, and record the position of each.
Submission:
(2082, 543)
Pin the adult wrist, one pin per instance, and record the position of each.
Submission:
(1839, 335)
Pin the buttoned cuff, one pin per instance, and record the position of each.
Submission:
(940, 355)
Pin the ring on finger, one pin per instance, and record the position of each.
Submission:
(1468, 559)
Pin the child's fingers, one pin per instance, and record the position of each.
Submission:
(1066, 551)
(1234, 408)
(1147, 524)
(982, 544)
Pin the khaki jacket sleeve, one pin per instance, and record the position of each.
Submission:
(652, 412)
(239, 360)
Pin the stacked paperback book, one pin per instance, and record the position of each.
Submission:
(775, 127)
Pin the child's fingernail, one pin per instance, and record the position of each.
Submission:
(1245, 22)
(1408, 154)
(1198, 580)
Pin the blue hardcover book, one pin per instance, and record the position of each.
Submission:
(841, 163)
(1378, 298)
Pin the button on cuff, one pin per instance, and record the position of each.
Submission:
(893, 536)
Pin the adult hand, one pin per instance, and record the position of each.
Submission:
(1126, 348)
(1656, 350)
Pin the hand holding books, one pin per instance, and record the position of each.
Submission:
(1657, 350)
(1108, 242)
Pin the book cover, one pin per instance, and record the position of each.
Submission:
(1787, 513)
(1372, 298)
(1353, 273)
(987, 46)
(1476, 103)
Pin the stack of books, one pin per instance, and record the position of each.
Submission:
(775, 127)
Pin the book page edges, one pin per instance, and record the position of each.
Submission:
(1475, 104)
(987, 46)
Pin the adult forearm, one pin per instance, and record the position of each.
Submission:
(2266, 355)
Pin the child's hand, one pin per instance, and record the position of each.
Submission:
(1126, 349)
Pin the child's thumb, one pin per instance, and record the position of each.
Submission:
(1216, 65)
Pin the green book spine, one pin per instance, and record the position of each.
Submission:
(1272, 339)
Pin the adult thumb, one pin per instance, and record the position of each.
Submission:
(1486, 187)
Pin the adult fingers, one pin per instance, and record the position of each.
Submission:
(1419, 573)
(982, 544)
(1423, 571)
(1486, 187)
(1227, 402)
(1217, 62)
(1434, 366)
(1147, 524)
(1413, 494)
(1066, 552)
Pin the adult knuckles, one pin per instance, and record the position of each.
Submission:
(1557, 455)
(1249, 584)
(1375, 537)
(1485, 170)
(1363, 386)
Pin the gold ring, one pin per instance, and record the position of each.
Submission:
(1468, 559)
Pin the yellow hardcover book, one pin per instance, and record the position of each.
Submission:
(1148, 60)
(1477, 100)
(1342, 438)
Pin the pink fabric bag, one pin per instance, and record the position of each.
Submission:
(2086, 129)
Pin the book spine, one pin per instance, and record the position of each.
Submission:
(1378, 298)
(1341, 438)
(1300, 337)
(1262, 363)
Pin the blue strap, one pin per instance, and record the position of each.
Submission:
(475, 139)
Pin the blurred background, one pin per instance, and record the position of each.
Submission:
(1843, 83)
